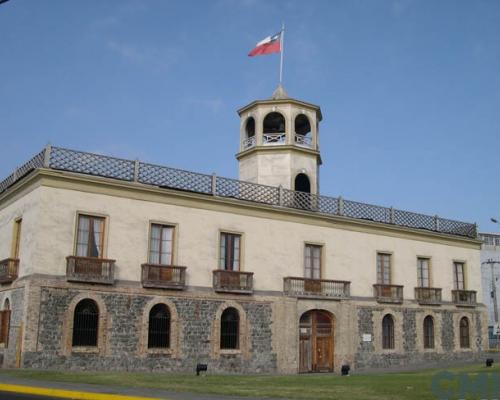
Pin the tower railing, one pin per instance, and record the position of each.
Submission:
(273, 138)
(58, 158)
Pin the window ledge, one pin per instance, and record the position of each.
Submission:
(153, 350)
(85, 349)
(230, 351)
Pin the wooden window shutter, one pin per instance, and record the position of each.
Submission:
(5, 326)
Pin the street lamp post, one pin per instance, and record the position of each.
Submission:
(493, 285)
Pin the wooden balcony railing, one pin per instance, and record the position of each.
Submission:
(163, 276)
(9, 270)
(305, 287)
(388, 293)
(427, 295)
(464, 297)
(233, 281)
(91, 270)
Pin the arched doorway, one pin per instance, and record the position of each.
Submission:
(316, 342)
(302, 183)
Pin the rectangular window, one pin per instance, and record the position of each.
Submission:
(312, 261)
(17, 238)
(458, 275)
(161, 244)
(229, 258)
(90, 236)
(383, 268)
(423, 272)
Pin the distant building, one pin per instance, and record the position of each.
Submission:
(122, 265)
(490, 275)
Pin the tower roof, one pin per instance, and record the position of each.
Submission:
(279, 93)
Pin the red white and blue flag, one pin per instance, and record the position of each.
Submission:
(271, 44)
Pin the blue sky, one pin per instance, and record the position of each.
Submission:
(409, 90)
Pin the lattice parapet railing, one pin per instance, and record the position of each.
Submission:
(150, 174)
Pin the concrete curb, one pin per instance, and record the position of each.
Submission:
(67, 394)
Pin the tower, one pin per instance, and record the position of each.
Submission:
(279, 143)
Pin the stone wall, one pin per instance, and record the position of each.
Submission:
(10, 355)
(121, 339)
(408, 326)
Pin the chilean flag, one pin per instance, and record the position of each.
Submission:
(271, 44)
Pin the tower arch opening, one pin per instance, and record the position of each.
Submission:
(274, 128)
(302, 183)
(249, 139)
(303, 134)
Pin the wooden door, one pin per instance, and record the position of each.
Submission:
(316, 342)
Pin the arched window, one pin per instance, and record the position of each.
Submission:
(250, 127)
(302, 183)
(274, 129)
(464, 333)
(159, 327)
(229, 329)
(388, 332)
(428, 332)
(302, 130)
(85, 323)
(5, 323)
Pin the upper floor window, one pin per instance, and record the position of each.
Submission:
(458, 275)
(85, 323)
(159, 327)
(423, 272)
(464, 333)
(229, 257)
(383, 268)
(312, 261)
(388, 332)
(90, 236)
(229, 329)
(161, 244)
(428, 332)
(274, 122)
(17, 238)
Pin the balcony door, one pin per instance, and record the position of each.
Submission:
(316, 342)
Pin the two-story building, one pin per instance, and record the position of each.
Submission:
(123, 265)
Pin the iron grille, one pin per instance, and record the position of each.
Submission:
(241, 190)
(85, 323)
(92, 164)
(229, 329)
(159, 327)
(174, 178)
(353, 209)
(414, 220)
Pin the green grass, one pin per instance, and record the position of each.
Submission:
(400, 386)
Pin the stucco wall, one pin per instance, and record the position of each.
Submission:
(272, 248)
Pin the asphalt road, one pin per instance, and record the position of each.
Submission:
(19, 396)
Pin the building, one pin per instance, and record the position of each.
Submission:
(490, 274)
(123, 265)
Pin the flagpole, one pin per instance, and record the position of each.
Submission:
(282, 39)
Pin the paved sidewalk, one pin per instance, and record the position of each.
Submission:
(112, 391)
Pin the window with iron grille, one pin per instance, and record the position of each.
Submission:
(229, 329)
(312, 261)
(159, 327)
(383, 268)
(229, 258)
(458, 275)
(86, 323)
(423, 272)
(428, 332)
(5, 323)
(161, 244)
(90, 236)
(464, 333)
(388, 332)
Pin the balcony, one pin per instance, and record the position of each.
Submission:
(302, 140)
(163, 276)
(233, 281)
(388, 293)
(427, 295)
(273, 138)
(9, 270)
(249, 142)
(316, 288)
(90, 270)
(466, 298)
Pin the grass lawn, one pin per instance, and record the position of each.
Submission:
(403, 385)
